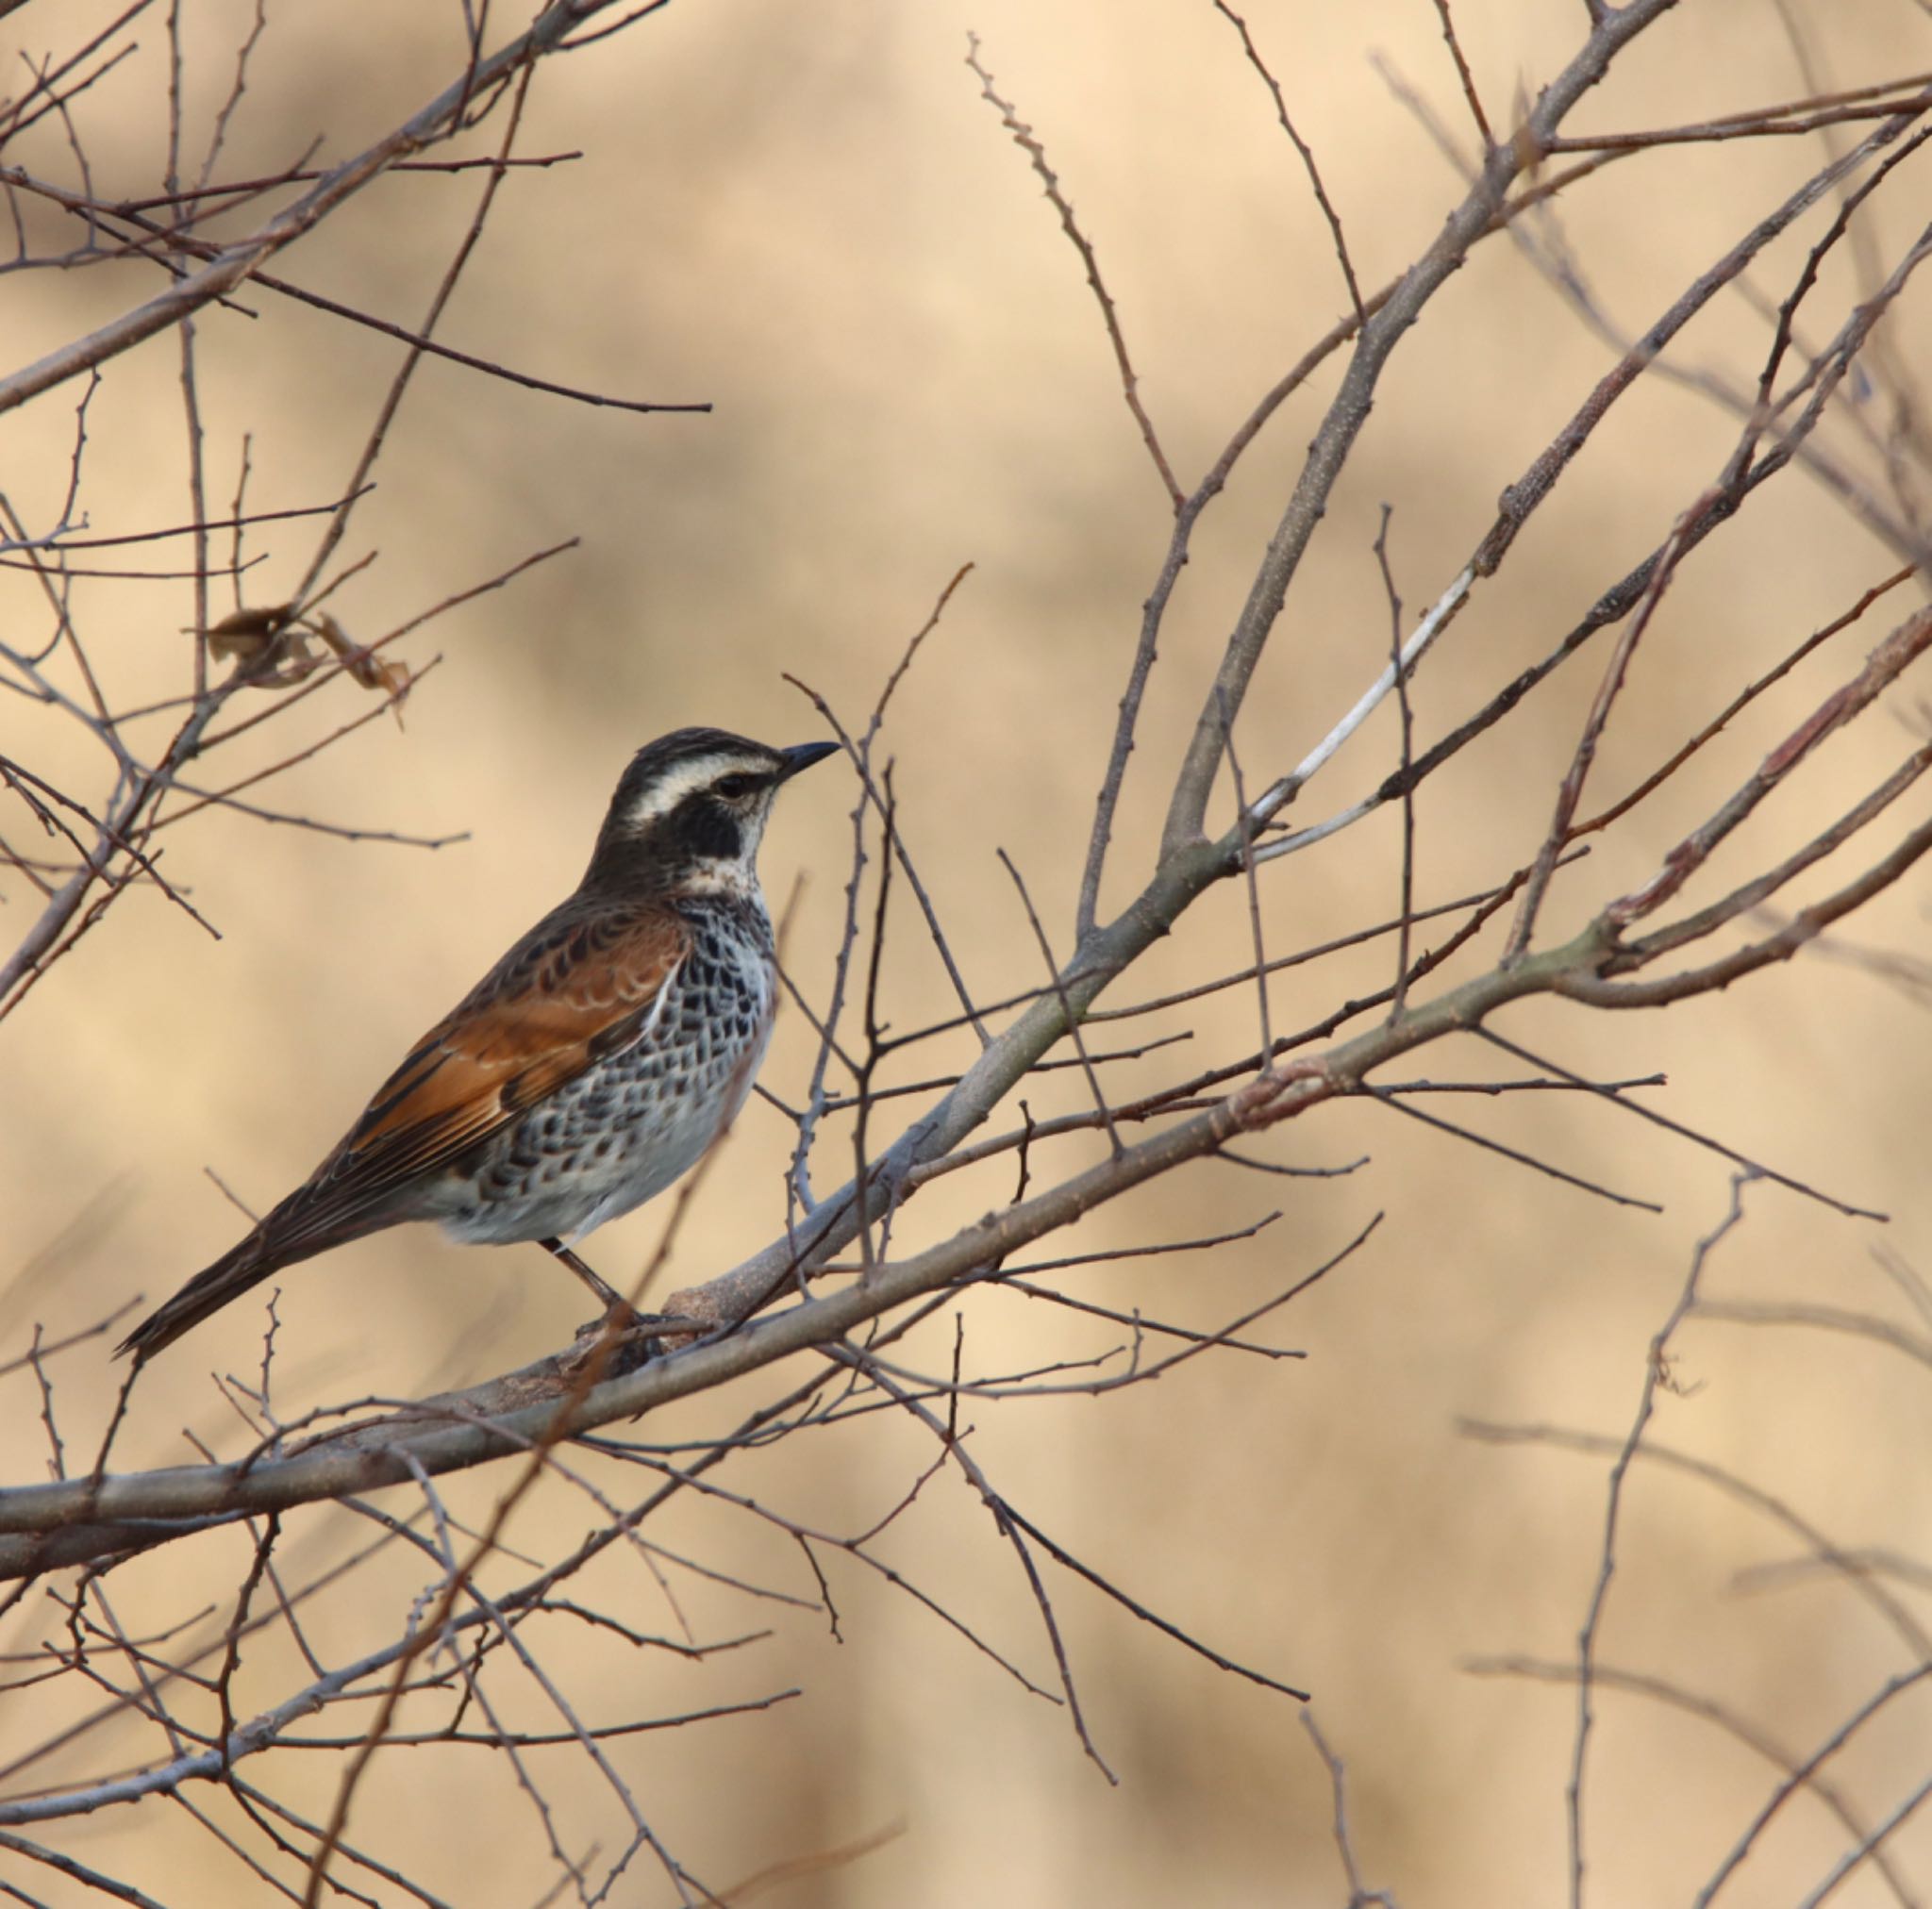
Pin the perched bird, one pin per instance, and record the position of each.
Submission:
(590, 1068)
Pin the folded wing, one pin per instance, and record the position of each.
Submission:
(582, 985)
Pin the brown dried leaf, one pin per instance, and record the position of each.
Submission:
(371, 671)
(277, 649)
(295, 661)
(248, 634)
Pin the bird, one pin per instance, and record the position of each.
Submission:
(590, 1068)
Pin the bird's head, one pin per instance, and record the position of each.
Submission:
(691, 809)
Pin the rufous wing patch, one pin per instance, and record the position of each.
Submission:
(573, 991)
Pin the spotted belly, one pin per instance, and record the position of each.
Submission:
(639, 1118)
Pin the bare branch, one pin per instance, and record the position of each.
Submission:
(238, 261)
(1024, 138)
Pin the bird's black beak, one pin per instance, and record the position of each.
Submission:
(803, 756)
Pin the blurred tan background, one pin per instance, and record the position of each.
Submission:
(808, 217)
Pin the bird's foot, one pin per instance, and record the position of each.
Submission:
(638, 1336)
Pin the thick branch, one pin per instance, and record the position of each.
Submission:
(46, 1526)
(1350, 410)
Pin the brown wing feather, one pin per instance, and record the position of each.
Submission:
(578, 987)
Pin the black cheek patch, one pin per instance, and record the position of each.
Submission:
(706, 830)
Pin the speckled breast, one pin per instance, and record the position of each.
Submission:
(642, 1116)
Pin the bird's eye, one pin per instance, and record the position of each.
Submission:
(735, 788)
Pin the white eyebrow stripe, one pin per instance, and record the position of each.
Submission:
(684, 779)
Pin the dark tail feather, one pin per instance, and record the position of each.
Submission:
(230, 1277)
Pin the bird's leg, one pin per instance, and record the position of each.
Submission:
(607, 1296)
(617, 1308)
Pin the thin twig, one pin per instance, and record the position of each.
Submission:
(1028, 143)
